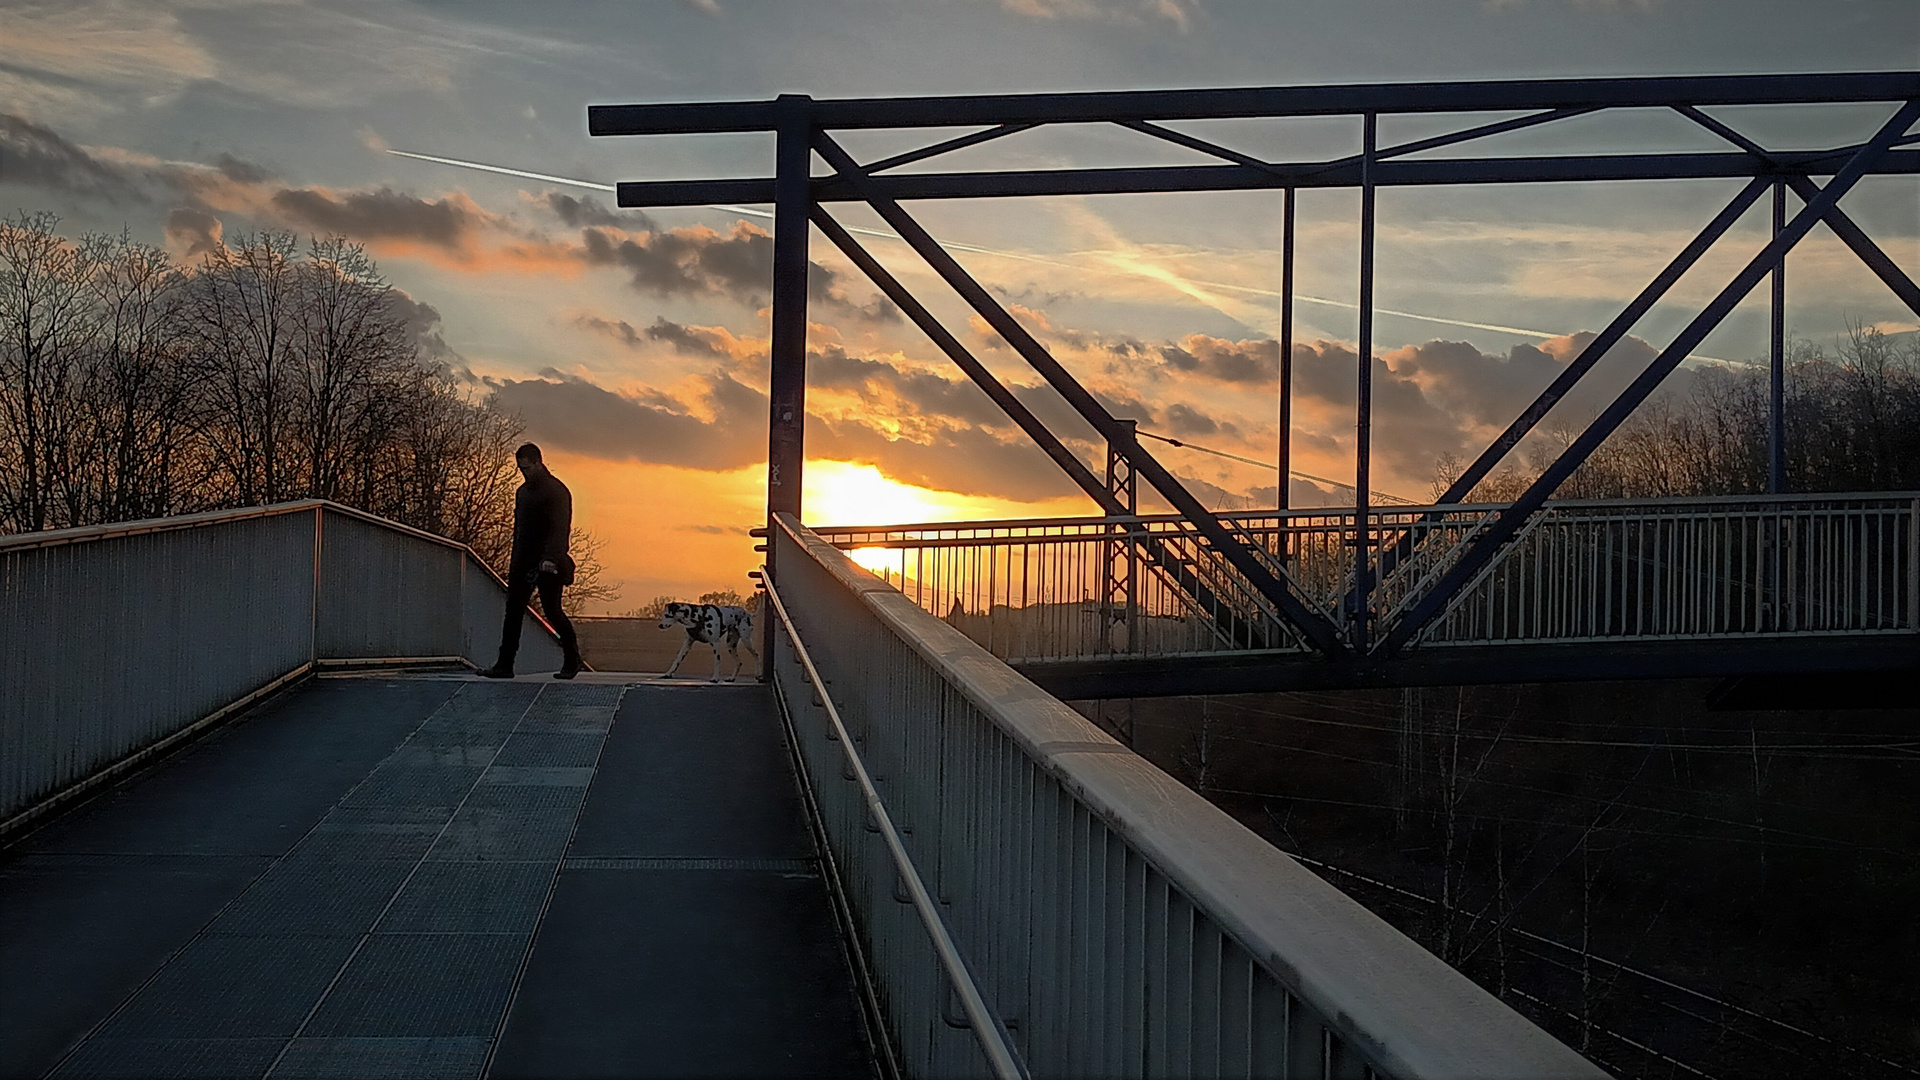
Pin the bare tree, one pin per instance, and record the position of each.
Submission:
(46, 325)
(139, 394)
(242, 310)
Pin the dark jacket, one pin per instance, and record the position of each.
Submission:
(542, 521)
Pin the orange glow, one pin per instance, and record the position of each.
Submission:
(682, 532)
(843, 493)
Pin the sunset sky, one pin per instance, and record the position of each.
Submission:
(633, 345)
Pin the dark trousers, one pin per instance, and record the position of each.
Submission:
(519, 591)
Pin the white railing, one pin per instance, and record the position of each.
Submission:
(1699, 569)
(116, 640)
(1580, 571)
(1115, 923)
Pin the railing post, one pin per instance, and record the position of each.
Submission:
(313, 613)
(1913, 566)
(1119, 594)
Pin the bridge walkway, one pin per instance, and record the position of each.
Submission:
(437, 876)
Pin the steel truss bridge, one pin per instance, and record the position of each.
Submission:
(1366, 596)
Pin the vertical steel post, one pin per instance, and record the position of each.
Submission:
(1777, 401)
(787, 351)
(1363, 435)
(787, 381)
(1285, 460)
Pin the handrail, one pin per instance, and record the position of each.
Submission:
(1094, 520)
(986, 1024)
(1375, 990)
(79, 534)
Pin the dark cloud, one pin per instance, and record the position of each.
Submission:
(700, 341)
(1410, 428)
(424, 329)
(39, 156)
(687, 261)
(619, 330)
(193, 233)
(449, 223)
(575, 415)
(825, 291)
(686, 340)
(1183, 420)
(240, 171)
(586, 211)
(1238, 362)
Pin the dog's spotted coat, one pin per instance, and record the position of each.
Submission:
(711, 624)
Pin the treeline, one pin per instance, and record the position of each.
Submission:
(133, 386)
(1852, 424)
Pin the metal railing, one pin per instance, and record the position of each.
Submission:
(1582, 571)
(1115, 923)
(117, 639)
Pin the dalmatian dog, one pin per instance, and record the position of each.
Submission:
(714, 625)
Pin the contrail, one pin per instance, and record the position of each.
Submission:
(1163, 276)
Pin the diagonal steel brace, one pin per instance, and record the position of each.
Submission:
(1536, 495)
(1167, 562)
(1398, 551)
(1316, 628)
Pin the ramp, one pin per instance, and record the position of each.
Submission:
(437, 877)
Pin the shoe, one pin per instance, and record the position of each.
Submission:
(568, 670)
(498, 671)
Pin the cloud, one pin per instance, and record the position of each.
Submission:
(576, 415)
(451, 222)
(891, 390)
(36, 155)
(241, 172)
(690, 340)
(687, 261)
(1184, 420)
(583, 211)
(1240, 362)
(825, 292)
(424, 329)
(711, 342)
(96, 58)
(192, 233)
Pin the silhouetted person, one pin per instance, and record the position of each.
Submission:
(542, 522)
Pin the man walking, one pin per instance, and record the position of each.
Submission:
(542, 521)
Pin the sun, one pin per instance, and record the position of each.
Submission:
(844, 493)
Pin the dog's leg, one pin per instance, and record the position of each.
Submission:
(733, 646)
(685, 648)
(716, 660)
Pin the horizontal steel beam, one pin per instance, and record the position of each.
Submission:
(1272, 101)
(1164, 178)
(1475, 665)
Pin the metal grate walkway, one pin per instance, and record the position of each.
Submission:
(437, 877)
